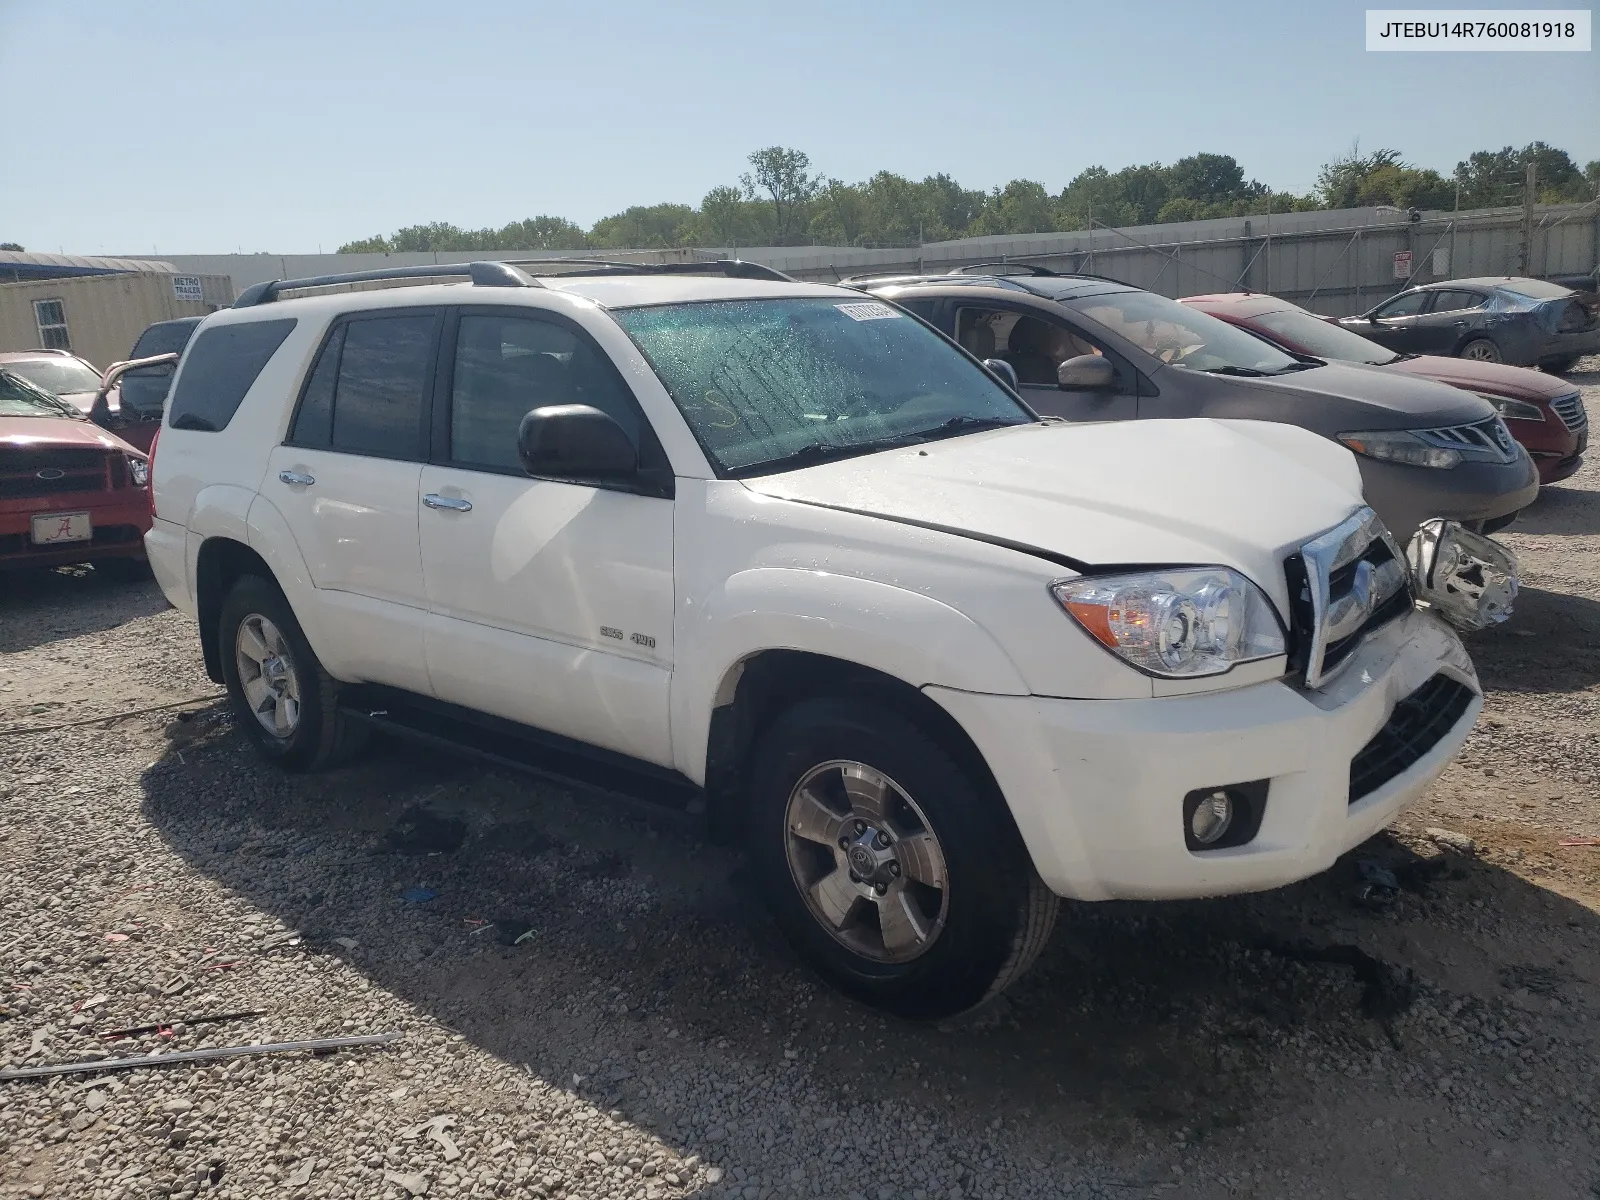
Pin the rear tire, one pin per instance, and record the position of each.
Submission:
(961, 913)
(1559, 367)
(1480, 350)
(283, 701)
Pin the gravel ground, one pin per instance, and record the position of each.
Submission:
(592, 1005)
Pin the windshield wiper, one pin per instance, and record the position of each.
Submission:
(1299, 365)
(1250, 372)
(816, 452)
(963, 423)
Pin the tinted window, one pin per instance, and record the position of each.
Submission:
(383, 379)
(164, 337)
(218, 369)
(1408, 305)
(1322, 338)
(507, 365)
(1455, 301)
(313, 424)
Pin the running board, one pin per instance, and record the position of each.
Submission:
(520, 747)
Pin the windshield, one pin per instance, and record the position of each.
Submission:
(19, 398)
(1184, 336)
(766, 384)
(60, 376)
(1318, 337)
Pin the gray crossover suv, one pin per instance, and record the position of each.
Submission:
(1092, 349)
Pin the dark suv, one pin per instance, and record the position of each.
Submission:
(1088, 348)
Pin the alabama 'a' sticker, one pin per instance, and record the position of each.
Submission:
(868, 310)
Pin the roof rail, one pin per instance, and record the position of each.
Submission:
(1011, 268)
(871, 276)
(733, 268)
(482, 274)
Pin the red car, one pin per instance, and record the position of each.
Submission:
(1544, 413)
(70, 492)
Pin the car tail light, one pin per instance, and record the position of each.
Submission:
(150, 460)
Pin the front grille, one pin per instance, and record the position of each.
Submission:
(25, 473)
(1482, 437)
(1343, 586)
(1571, 411)
(1414, 728)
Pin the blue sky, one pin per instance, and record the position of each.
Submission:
(210, 127)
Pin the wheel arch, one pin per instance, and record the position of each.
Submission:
(759, 688)
(219, 564)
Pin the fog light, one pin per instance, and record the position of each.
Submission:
(1211, 818)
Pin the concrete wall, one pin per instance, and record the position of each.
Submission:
(105, 313)
(1337, 262)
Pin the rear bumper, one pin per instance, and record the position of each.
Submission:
(1561, 346)
(119, 527)
(1097, 787)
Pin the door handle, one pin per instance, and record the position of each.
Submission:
(452, 503)
(296, 478)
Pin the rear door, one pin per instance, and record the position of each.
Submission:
(1448, 321)
(551, 602)
(1035, 343)
(346, 482)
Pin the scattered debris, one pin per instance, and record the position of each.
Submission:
(301, 1175)
(347, 943)
(175, 985)
(513, 931)
(1579, 841)
(418, 895)
(116, 937)
(204, 1019)
(40, 1037)
(179, 1056)
(420, 831)
(434, 1128)
(1451, 840)
(290, 938)
(1379, 886)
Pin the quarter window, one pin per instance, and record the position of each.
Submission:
(219, 368)
(507, 365)
(51, 317)
(381, 386)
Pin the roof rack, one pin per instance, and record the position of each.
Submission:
(482, 274)
(1011, 268)
(508, 273)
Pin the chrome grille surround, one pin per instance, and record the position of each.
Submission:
(1571, 411)
(1482, 439)
(1356, 581)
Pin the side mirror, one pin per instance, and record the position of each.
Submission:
(1003, 371)
(575, 441)
(1086, 373)
(1372, 318)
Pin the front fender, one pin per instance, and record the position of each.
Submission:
(904, 634)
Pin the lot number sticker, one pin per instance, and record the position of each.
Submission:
(187, 287)
(871, 310)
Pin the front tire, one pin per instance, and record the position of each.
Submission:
(1480, 350)
(283, 701)
(890, 871)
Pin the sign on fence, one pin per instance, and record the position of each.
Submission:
(1402, 264)
(187, 287)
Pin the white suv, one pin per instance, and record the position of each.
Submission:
(788, 553)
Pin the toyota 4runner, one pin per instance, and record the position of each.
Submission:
(786, 554)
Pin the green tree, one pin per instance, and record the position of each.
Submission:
(659, 225)
(540, 233)
(1492, 178)
(839, 213)
(17, 246)
(1022, 206)
(783, 175)
(723, 217)
(1591, 177)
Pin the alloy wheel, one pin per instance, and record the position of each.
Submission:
(267, 675)
(866, 861)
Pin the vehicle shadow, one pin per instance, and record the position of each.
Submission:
(1550, 644)
(1561, 510)
(1138, 1020)
(38, 606)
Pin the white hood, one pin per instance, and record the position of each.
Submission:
(1231, 493)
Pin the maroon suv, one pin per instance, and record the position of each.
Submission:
(1543, 412)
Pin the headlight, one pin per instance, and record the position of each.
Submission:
(1397, 445)
(138, 471)
(1178, 623)
(1512, 410)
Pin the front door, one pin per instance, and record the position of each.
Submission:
(1395, 324)
(1035, 344)
(551, 603)
(346, 483)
